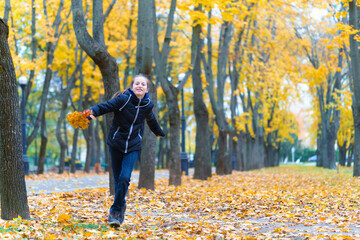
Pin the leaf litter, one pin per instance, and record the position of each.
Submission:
(294, 202)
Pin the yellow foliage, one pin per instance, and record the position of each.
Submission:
(79, 119)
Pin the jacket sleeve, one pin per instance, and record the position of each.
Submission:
(108, 106)
(154, 125)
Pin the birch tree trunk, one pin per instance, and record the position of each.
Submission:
(13, 188)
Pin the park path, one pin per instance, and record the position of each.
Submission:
(72, 183)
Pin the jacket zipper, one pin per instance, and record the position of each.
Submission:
(140, 135)
(125, 103)
(131, 127)
(118, 128)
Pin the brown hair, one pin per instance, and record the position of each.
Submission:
(131, 85)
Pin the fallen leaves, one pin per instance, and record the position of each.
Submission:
(284, 202)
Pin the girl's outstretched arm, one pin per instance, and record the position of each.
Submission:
(154, 125)
(108, 106)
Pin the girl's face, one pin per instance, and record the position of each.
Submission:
(140, 87)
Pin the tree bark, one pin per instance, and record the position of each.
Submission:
(354, 16)
(13, 190)
(89, 135)
(148, 154)
(7, 11)
(143, 65)
(342, 153)
(128, 54)
(202, 159)
(97, 144)
(350, 155)
(43, 144)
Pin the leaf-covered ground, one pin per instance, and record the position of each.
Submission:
(294, 202)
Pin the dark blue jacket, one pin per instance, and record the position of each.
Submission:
(127, 129)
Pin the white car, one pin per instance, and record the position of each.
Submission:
(312, 158)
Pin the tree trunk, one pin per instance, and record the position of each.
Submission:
(88, 134)
(89, 145)
(355, 77)
(76, 133)
(7, 11)
(319, 159)
(350, 155)
(97, 144)
(148, 154)
(250, 164)
(217, 103)
(128, 54)
(241, 150)
(171, 93)
(143, 65)
(106, 63)
(163, 143)
(174, 161)
(74, 151)
(67, 153)
(202, 159)
(13, 190)
(44, 140)
(342, 153)
(221, 163)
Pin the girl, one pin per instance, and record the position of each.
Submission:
(131, 108)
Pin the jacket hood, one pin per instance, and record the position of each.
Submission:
(135, 100)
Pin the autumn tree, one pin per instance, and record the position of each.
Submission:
(325, 77)
(217, 97)
(13, 189)
(51, 45)
(202, 159)
(263, 82)
(96, 50)
(144, 65)
(354, 13)
(171, 93)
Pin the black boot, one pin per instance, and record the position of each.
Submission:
(122, 214)
(113, 219)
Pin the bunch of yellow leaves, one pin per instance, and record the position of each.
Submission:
(79, 119)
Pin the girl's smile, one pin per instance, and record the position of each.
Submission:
(140, 87)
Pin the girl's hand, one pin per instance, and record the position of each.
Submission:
(92, 117)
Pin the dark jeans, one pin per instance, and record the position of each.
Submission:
(122, 166)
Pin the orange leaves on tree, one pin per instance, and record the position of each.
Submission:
(79, 119)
